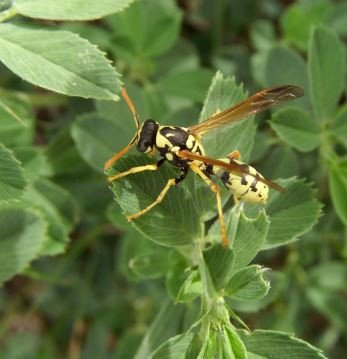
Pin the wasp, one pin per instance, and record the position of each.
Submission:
(182, 148)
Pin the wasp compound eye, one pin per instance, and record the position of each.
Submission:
(143, 145)
(147, 135)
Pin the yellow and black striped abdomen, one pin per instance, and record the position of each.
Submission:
(245, 187)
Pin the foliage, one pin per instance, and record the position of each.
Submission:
(165, 287)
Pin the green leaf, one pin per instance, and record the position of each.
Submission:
(208, 289)
(174, 348)
(59, 61)
(338, 17)
(298, 19)
(223, 343)
(194, 348)
(212, 346)
(331, 304)
(22, 233)
(190, 287)
(165, 325)
(126, 346)
(69, 9)
(339, 128)
(291, 213)
(190, 85)
(295, 127)
(115, 216)
(58, 208)
(173, 222)
(224, 93)
(278, 281)
(182, 57)
(338, 188)
(261, 146)
(281, 162)
(34, 162)
(230, 60)
(16, 121)
(143, 258)
(285, 66)
(20, 343)
(262, 35)
(95, 342)
(62, 155)
(12, 181)
(248, 284)
(246, 235)
(327, 73)
(219, 261)
(183, 282)
(258, 66)
(237, 347)
(149, 265)
(249, 237)
(131, 241)
(262, 344)
(146, 29)
(97, 138)
(94, 33)
(329, 276)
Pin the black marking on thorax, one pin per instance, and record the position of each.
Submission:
(176, 135)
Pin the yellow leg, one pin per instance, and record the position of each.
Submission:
(171, 182)
(234, 155)
(151, 167)
(214, 187)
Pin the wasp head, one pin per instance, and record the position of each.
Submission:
(147, 135)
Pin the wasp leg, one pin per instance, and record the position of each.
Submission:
(151, 167)
(171, 182)
(214, 187)
(116, 157)
(120, 154)
(234, 155)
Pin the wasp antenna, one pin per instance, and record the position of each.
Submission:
(131, 107)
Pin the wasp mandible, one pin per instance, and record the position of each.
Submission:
(182, 148)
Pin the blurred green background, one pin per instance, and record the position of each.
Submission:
(97, 297)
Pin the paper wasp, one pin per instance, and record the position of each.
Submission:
(182, 148)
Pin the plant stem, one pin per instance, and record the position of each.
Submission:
(7, 14)
(206, 282)
(326, 149)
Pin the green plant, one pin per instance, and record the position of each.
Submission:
(52, 189)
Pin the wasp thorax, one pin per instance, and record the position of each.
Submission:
(147, 136)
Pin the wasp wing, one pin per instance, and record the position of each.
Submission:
(231, 167)
(260, 101)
